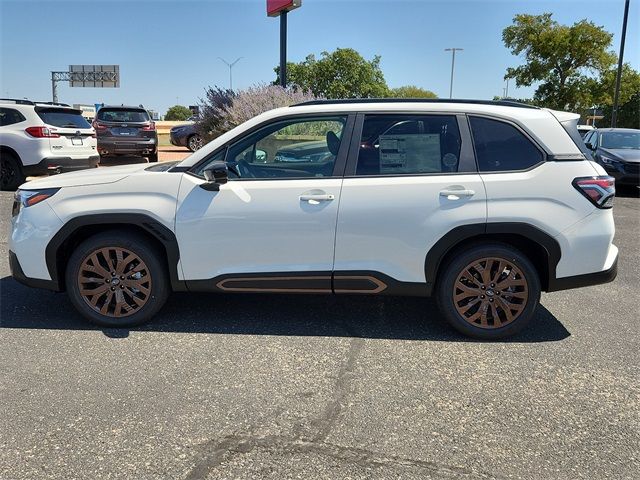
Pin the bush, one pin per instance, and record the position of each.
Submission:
(223, 109)
(178, 113)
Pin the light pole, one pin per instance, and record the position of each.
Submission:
(453, 62)
(230, 65)
(614, 112)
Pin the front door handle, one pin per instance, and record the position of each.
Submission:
(456, 194)
(315, 198)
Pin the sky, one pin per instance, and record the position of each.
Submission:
(168, 49)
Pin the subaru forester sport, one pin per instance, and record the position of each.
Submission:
(480, 204)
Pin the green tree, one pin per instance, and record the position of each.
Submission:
(628, 113)
(604, 90)
(559, 58)
(411, 91)
(343, 73)
(178, 113)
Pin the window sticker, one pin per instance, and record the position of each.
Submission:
(415, 153)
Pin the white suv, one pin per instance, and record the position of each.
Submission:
(481, 204)
(42, 138)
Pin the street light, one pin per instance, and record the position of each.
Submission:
(453, 61)
(230, 65)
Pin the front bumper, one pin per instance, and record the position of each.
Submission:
(18, 275)
(177, 141)
(624, 173)
(60, 165)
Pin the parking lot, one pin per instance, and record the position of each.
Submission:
(223, 386)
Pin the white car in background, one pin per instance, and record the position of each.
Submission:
(480, 204)
(42, 138)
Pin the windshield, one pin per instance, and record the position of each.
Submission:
(63, 118)
(122, 115)
(621, 140)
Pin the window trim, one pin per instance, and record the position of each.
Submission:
(517, 126)
(466, 162)
(339, 164)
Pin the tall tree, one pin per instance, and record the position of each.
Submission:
(343, 73)
(563, 59)
(178, 113)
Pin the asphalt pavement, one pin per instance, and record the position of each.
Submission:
(312, 387)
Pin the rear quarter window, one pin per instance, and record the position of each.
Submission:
(502, 147)
(9, 116)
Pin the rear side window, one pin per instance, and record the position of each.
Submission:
(123, 115)
(62, 118)
(9, 116)
(408, 145)
(502, 147)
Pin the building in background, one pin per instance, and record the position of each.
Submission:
(88, 111)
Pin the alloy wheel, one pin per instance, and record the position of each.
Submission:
(195, 142)
(114, 281)
(490, 292)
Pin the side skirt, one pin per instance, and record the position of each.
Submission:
(341, 282)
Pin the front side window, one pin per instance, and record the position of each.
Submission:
(408, 145)
(502, 147)
(9, 116)
(300, 148)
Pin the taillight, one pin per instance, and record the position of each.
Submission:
(98, 126)
(150, 127)
(598, 190)
(42, 132)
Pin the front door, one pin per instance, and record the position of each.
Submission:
(272, 226)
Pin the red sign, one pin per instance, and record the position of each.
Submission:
(276, 7)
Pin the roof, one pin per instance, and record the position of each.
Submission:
(360, 101)
(609, 129)
(132, 107)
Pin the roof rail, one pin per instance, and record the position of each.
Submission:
(17, 101)
(503, 103)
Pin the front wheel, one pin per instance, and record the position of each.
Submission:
(489, 291)
(115, 279)
(194, 142)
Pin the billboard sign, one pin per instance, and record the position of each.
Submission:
(276, 7)
(100, 76)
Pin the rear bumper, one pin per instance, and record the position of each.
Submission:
(142, 146)
(588, 279)
(60, 164)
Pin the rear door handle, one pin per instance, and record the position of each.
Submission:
(456, 194)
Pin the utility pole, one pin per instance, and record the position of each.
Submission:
(283, 49)
(54, 87)
(614, 113)
(453, 62)
(230, 65)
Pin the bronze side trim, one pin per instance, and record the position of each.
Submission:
(380, 285)
(253, 288)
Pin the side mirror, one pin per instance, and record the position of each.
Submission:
(589, 146)
(215, 175)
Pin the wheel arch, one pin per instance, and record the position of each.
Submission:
(540, 248)
(78, 229)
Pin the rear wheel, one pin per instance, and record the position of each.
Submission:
(489, 291)
(194, 142)
(11, 176)
(115, 279)
(153, 157)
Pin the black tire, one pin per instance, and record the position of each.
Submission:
(455, 271)
(153, 157)
(194, 142)
(11, 176)
(139, 246)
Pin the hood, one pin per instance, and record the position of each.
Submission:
(92, 176)
(626, 154)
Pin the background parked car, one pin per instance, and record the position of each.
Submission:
(186, 136)
(125, 130)
(584, 129)
(618, 151)
(42, 138)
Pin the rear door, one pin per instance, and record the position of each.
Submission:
(410, 179)
(72, 135)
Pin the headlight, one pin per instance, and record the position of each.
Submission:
(607, 160)
(29, 198)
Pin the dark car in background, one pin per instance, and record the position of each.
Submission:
(123, 130)
(186, 136)
(618, 151)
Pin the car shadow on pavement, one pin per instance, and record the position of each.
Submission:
(406, 318)
(121, 160)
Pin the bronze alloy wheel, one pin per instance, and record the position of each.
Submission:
(490, 293)
(114, 281)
